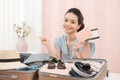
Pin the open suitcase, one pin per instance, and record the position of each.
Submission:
(49, 75)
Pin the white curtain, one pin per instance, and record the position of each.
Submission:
(16, 12)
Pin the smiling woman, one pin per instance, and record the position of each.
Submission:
(68, 43)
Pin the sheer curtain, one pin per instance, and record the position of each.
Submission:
(15, 12)
(11, 11)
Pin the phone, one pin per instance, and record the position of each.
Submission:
(87, 34)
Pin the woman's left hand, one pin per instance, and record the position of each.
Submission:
(77, 46)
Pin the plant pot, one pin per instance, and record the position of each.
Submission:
(21, 45)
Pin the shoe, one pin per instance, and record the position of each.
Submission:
(54, 60)
(61, 65)
(51, 65)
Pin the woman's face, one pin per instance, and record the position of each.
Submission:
(70, 23)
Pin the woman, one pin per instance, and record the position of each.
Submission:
(69, 44)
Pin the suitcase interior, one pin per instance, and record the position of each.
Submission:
(99, 76)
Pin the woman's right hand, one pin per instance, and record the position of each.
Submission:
(43, 40)
(47, 43)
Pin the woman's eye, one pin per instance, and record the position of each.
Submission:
(72, 22)
(65, 20)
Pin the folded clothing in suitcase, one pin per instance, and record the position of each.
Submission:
(99, 65)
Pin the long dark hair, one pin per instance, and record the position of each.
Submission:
(79, 15)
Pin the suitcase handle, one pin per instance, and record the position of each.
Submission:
(53, 75)
(9, 76)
